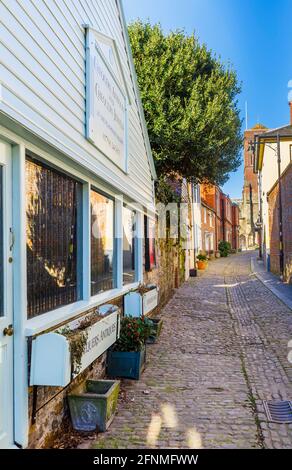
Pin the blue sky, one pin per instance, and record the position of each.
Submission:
(254, 35)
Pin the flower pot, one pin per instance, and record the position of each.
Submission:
(202, 265)
(126, 364)
(155, 330)
(217, 254)
(93, 405)
(193, 272)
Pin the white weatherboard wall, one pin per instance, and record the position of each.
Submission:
(43, 78)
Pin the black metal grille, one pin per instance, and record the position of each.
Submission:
(51, 210)
(1, 243)
(278, 411)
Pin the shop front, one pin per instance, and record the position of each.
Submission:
(76, 183)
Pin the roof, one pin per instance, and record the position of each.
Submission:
(270, 136)
(137, 92)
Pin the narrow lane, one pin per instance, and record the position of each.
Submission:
(222, 351)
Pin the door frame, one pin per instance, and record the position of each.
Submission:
(7, 319)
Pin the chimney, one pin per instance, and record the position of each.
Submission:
(290, 104)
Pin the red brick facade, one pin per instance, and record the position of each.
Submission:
(226, 226)
(226, 218)
(235, 227)
(273, 199)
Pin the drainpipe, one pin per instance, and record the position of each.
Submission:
(280, 209)
(251, 214)
(260, 217)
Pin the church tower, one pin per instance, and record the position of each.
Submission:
(249, 210)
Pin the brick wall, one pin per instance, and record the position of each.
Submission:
(273, 199)
(208, 229)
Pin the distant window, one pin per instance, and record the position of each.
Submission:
(129, 228)
(102, 242)
(150, 252)
(1, 245)
(205, 215)
(53, 215)
(290, 153)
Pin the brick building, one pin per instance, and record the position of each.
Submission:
(273, 202)
(220, 218)
(208, 228)
(226, 218)
(249, 209)
(235, 226)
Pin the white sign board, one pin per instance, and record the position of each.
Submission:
(51, 358)
(101, 336)
(106, 103)
(150, 301)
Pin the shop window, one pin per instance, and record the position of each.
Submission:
(129, 228)
(150, 251)
(102, 243)
(54, 217)
(1, 245)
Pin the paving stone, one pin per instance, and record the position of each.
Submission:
(222, 350)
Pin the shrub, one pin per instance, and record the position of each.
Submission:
(201, 257)
(133, 334)
(224, 248)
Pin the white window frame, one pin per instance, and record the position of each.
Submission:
(52, 318)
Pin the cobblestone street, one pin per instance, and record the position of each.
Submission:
(223, 350)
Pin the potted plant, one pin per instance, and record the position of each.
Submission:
(224, 248)
(127, 357)
(202, 261)
(155, 329)
(93, 404)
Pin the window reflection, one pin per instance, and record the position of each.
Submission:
(129, 217)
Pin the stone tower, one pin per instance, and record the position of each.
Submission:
(249, 208)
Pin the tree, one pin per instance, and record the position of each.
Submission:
(190, 103)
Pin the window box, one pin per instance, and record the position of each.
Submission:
(93, 405)
(142, 301)
(129, 365)
(72, 348)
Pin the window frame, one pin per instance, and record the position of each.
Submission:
(148, 266)
(93, 188)
(135, 245)
(64, 314)
(34, 158)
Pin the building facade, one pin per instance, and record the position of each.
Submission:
(249, 208)
(73, 135)
(226, 218)
(273, 156)
(235, 227)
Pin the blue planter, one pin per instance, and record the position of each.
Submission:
(126, 364)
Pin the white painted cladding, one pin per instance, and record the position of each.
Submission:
(43, 78)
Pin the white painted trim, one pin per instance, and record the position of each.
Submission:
(61, 315)
(19, 297)
(139, 246)
(119, 242)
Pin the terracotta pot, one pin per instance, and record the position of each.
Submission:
(202, 265)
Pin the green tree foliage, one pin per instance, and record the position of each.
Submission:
(190, 104)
